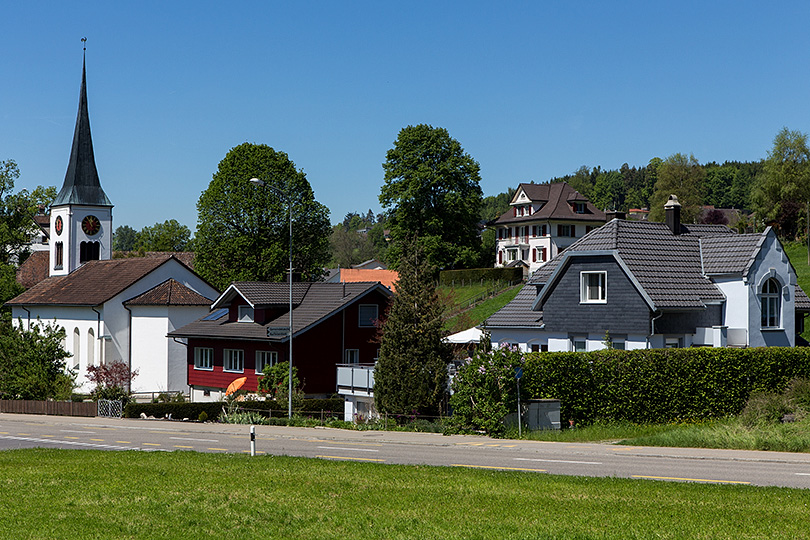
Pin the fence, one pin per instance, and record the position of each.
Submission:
(110, 408)
(57, 408)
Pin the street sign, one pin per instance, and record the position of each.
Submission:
(278, 331)
(518, 373)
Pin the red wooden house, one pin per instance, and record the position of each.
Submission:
(333, 323)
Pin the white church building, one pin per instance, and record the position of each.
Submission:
(112, 310)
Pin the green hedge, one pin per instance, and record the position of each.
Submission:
(476, 275)
(212, 409)
(660, 385)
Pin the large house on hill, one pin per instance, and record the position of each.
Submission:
(640, 284)
(543, 220)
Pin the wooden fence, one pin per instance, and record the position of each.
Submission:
(58, 408)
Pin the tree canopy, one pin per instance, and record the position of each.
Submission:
(411, 372)
(17, 212)
(167, 236)
(784, 186)
(242, 228)
(124, 238)
(683, 176)
(432, 190)
(32, 362)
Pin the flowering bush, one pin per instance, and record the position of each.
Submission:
(485, 390)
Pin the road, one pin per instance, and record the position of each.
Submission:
(672, 464)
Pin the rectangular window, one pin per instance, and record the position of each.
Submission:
(565, 230)
(245, 314)
(579, 208)
(265, 358)
(367, 314)
(580, 345)
(534, 230)
(203, 358)
(593, 287)
(352, 356)
(672, 343)
(543, 254)
(618, 345)
(535, 347)
(234, 360)
(58, 256)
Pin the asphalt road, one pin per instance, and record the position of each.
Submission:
(670, 464)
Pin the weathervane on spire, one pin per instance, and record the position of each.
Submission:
(84, 43)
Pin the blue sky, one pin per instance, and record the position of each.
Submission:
(531, 90)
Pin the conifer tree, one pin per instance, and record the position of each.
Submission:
(411, 372)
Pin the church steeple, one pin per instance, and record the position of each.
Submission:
(81, 184)
(81, 215)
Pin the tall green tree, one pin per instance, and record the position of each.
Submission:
(411, 372)
(167, 236)
(242, 228)
(16, 213)
(350, 247)
(683, 176)
(785, 179)
(432, 190)
(32, 362)
(124, 238)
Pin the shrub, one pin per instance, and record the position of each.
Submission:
(765, 408)
(203, 416)
(485, 390)
(475, 275)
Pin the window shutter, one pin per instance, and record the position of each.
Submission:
(534, 255)
(559, 230)
(500, 257)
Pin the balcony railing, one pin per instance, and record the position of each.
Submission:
(355, 379)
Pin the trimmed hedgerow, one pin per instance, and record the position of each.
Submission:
(475, 275)
(660, 385)
(178, 411)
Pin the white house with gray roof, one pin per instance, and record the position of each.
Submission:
(652, 285)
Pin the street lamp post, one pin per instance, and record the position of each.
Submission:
(258, 182)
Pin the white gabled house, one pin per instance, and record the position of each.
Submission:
(653, 285)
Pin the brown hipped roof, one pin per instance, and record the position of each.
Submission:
(91, 284)
(169, 293)
(557, 198)
(34, 269)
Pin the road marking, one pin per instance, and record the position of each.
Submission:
(257, 451)
(689, 479)
(97, 440)
(195, 440)
(470, 444)
(26, 434)
(150, 444)
(124, 442)
(4, 432)
(803, 473)
(48, 435)
(220, 449)
(77, 431)
(181, 446)
(495, 467)
(350, 458)
(69, 437)
(349, 449)
(50, 441)
(509, 445)
(559, 461)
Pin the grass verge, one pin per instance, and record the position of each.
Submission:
(71, 494)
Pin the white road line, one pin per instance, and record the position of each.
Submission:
(75, 431)
(190, 439)
(560, 461)
(351, 449)
(803, 474)
(73, 443)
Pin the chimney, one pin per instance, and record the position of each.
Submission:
(673, 214)
(614, 214)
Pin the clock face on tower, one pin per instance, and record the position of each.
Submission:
(91, 225)
(58, 225)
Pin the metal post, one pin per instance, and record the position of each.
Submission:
(520, 421)
(252, 440)
(289, 360)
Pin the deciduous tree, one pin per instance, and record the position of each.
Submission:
(16, 213)
(432, 189)
(242, 229)
(681, 175)
(167, 236)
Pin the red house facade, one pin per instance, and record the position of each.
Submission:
(333, 323)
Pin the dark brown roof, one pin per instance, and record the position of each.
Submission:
(557, 198)
(317, 302)
(91, 284)
(185, 257)
(169, 293)
(34, 269)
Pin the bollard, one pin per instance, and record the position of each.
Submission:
(252, 440)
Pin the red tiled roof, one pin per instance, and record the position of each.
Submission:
(169, 293)
(91, 284)
(354, 275)
(34, 269)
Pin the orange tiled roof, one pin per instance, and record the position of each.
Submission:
(354, 275)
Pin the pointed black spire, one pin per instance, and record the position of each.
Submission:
(81, 180)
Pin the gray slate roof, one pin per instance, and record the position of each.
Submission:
(730, 254)
(316, 302)
(518, 313)
(81, 185)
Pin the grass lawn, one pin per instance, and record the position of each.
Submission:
(86, 494)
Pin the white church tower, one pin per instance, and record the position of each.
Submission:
(81, 215)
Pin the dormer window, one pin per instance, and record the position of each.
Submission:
(579, 207)
(245, 314)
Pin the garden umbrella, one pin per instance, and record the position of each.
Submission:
(235, 385)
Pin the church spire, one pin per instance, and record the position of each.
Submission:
(81, 184)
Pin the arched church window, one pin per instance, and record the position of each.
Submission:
(91, 346)
(89, 251)
(77, 343)
(770, 302)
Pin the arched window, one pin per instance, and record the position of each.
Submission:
(770, 303)
(77, 342)
(91, 342)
